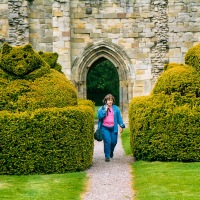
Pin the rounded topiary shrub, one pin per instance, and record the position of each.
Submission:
(43, 128)
(22, 63)
(178, 78)
(192, 57)
(86, 102)
(165, 128)
(53, 140)
(51, 59)
(28, 83)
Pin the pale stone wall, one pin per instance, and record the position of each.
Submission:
(184, 28)
(40, 22)
(141, 35)
(61, 34)
(133, 26)
(3, 20)
(14, 27)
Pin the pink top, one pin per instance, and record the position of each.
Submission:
(109, 119)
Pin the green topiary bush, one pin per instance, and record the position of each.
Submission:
(192, 57)
(165, 125)
(86, 102)
(19, 93)
(21, 63)
(165, 128)
(53, 140)
(51, 59)
(180, 78)
(43, 129)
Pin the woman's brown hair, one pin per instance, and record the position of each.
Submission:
(107, 97)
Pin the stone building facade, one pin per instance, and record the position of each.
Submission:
(137, 36)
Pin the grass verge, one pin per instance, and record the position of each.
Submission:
(43, 187)
(126, 141)
(163, 180)
(96, 111)
(166, 180)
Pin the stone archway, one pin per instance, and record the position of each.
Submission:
(118, 57)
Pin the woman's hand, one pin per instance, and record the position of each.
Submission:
(106, 107)
(120, 129)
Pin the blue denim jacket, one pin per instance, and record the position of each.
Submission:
(117, 117)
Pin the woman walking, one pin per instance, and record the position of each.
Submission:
(109, 118)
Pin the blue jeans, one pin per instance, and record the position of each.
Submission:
(109, 139)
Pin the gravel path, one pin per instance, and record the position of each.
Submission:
(110, 180)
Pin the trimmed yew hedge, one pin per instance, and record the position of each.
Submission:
(192, 57)
(165, 125)
(54, 140)
(178, 78)
(42, 127)
(21, 62)
(27, 82)
(51, 59)
(51, 90)
(86, 102)
(165, 128)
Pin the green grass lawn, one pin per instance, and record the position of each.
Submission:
(164, 180)
(126, 141)
(96, 110)
(152, 181)
(67, 186)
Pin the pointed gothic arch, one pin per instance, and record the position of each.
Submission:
(120, 60)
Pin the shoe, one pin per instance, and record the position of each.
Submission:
(111, 155)
(107, 159)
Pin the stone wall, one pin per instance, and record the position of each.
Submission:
(184, 27)
(151, 32)
(61, 34)
(138, 36)
(3, 21)
(40, 25)
(14, 25)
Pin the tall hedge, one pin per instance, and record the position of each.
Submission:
(21, 62)
(54, 140)
(165, 125)
(165, 128)
(42, 127)
(51, 90)
(192, 57)
(180, 78)
(23, 88)
(51, 59)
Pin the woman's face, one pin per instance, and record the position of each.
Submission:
(109, 102)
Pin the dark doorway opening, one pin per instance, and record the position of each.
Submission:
(102, 79)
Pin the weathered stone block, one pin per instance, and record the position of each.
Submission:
(139, 83)
(66, 34)
(80, 26)
(110, 15)
(77, 40)
(141, 55)
(82, 30)
(121, 15)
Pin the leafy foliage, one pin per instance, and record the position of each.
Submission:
(51, 90)
(21, 62)
(102, 79)
(192, 57)
(51, 59)
(40, 133)
(181, 78)
(54, 140)
(164, 126)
